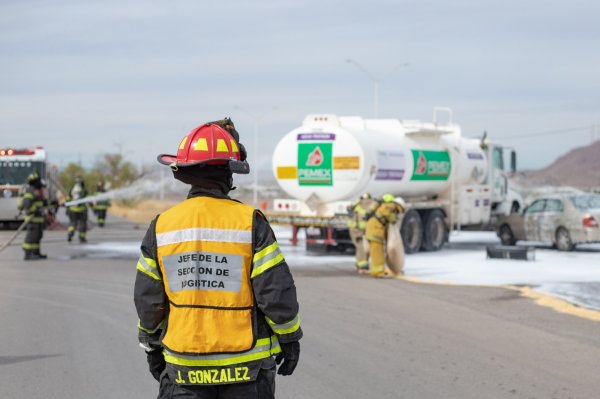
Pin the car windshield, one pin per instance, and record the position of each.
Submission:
(584, 202)
(16, 172)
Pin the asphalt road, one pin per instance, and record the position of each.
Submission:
(68, 330)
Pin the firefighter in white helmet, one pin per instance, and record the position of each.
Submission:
(78, 214)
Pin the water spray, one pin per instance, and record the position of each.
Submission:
(139, 188)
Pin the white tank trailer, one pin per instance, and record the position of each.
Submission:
(447, 181)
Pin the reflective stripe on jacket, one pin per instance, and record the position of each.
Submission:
(33, 204)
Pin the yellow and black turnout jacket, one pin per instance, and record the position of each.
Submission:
(33, 205)
(214, 291)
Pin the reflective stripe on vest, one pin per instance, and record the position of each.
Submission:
(265, 347)
(204, 248)
(203, 234)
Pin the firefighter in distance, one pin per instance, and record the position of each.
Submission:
(78, 214)
(376, 233)
(360, 212)
(32, 205)
(101, 206)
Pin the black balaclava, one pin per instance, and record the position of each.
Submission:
(37, 183)
(210, 177)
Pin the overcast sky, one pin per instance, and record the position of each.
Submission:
(85, 77)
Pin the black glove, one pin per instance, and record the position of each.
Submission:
(156, 363)
(290, 354)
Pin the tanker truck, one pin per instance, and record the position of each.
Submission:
(447, 181)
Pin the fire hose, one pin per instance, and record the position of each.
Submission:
(21, 228)
(12, 238)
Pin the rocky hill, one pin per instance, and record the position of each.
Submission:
(578, 168)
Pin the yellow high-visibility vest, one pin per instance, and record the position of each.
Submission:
(204, 248)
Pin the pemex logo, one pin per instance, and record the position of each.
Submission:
(315, 164)
(421, 164)
(431, 165)
(315, 158)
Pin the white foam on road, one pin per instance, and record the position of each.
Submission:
(128, 249)
(574, 276)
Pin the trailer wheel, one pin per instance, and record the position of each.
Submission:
(434, 232)
(412, 231)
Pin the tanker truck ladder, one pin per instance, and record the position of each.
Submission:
(455, 192)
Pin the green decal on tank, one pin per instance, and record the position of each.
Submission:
(430, 165)
(315, 164)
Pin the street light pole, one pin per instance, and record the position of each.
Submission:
(256, 119)
(376, 81)
(376, 100)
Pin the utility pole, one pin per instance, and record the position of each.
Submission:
(376, 81)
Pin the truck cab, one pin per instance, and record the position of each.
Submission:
(15, 166)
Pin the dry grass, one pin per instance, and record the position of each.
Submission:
(142, 211)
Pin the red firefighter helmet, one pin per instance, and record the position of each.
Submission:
(208, 144)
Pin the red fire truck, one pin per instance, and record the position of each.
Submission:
(15, 165)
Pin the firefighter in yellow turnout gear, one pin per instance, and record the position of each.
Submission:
(387, 213)
(101, 206)
(359, 215)
(33, 205)
(215, 298)
(78, 214)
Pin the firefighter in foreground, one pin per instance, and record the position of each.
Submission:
(360, 212)
(387, 213)
(101, 206)
(215, 298)
(78, 214)
(33, 205)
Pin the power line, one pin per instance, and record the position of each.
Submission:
(548, 132)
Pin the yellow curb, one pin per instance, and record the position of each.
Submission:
(557, 304)
(541, 299)
(417, 280)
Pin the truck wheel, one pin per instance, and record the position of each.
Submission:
(434, 232)
(412, 231)
(506, 235)
(563, 240)
(515, 207)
